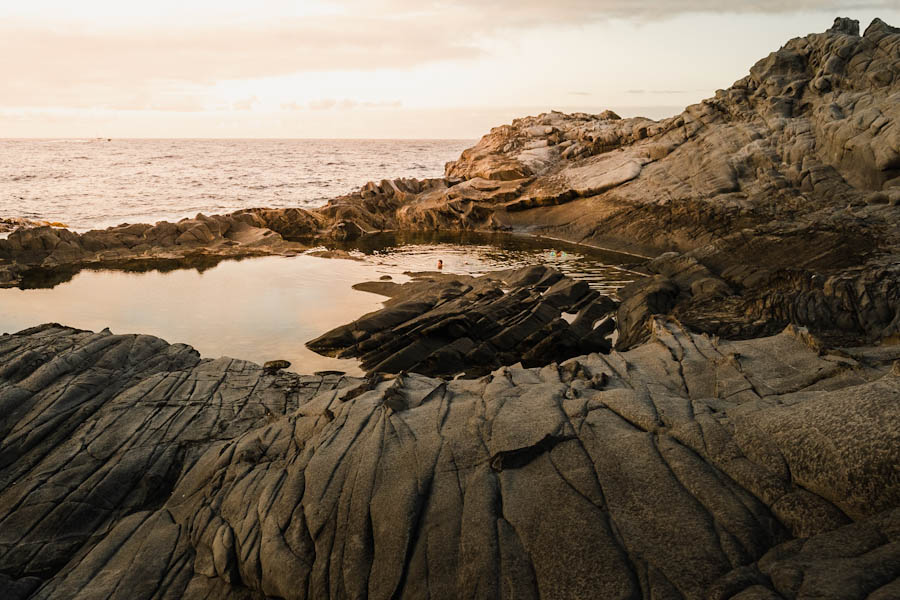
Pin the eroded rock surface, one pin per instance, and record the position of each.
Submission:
(95, 428)
(444, 325)
(687, 463)
(685, 468)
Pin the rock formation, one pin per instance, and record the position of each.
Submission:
(783, 190)
(42, 250)
(741, 442)
(8, 224)
(447, 325)
(688, 467)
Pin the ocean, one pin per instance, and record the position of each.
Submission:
(89, 184)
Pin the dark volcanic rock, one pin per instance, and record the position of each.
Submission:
(442, 325)
(685, 468)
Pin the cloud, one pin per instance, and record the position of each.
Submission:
(346, 104)
(369, 34)
(383, 104)
(172, 64)
(81, 66)
(658, 91)
(579, 93)
(323, 104)
(245, 104)
(519, 13)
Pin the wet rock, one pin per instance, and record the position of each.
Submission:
(447, 325)
(273, 366)
(47, 249)
(345, 231)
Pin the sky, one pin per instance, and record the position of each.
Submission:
(375, 68)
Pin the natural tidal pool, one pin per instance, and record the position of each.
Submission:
(267, 308)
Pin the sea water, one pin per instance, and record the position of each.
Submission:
(99, 183)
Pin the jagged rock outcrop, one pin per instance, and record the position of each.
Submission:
(252, 232)
(688, 467)
(8, 224)
(444, 325)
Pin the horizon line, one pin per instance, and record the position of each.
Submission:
(264, 138)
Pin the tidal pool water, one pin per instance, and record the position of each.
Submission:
(267, 308)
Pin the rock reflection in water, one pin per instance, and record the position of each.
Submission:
(475, 253)
(266, 308)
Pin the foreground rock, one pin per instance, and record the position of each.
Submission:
(685, 468)
(444, 325)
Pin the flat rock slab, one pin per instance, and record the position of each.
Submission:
(684, 468)
(604, 172)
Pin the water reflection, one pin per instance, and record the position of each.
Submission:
(260, 309)
(48, 278)
(476, 253)
(263, 309)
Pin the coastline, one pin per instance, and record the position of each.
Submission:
(740, 439)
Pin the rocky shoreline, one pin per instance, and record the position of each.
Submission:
(779, 195)
(727, 428)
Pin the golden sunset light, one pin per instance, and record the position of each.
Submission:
(361, 69)
(450, 299)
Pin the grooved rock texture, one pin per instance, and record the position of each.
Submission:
(688, 467)
(445, 325)
(95, 428)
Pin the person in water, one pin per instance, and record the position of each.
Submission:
(440, 264)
